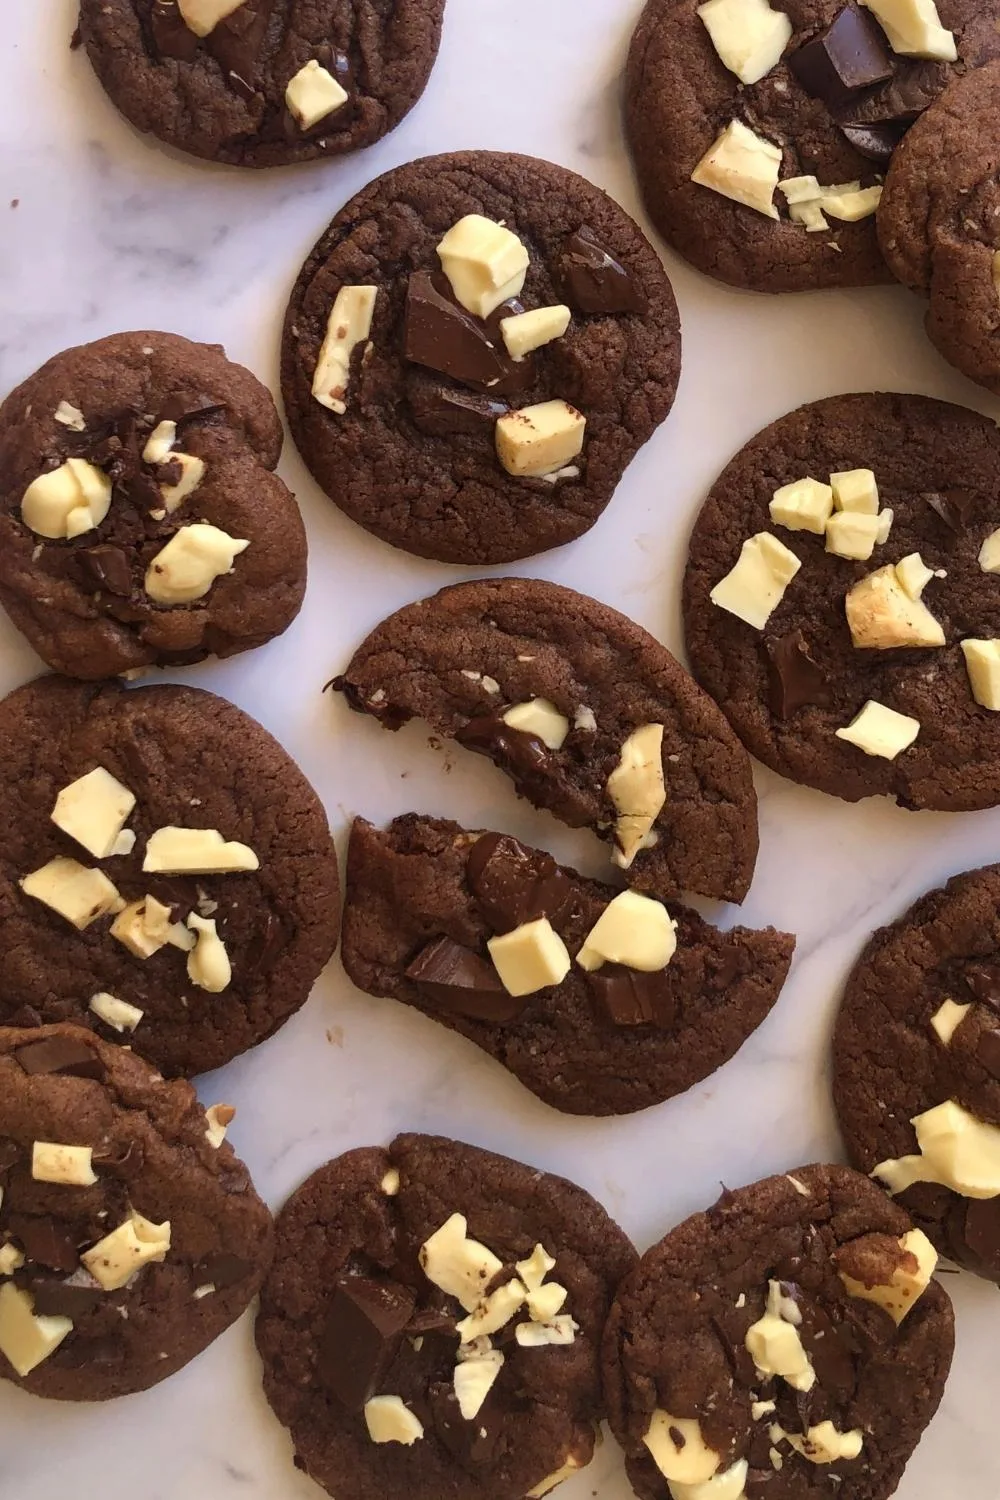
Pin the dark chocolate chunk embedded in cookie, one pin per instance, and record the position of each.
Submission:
(916, 1060)
(167, 875)
(433, 1323)
(788, 1344)
(590, 717)
(842, 599)
(601, 1002)
(106, 1283)
(473, 353)
(141, 522)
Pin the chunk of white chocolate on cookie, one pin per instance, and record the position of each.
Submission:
(67, 501)
(956, 1150)
(202, 16)
(947, 1019)
(188, 566)
(730, 1484)
(208, 964)
(72, 1166)
(882, 616)
(458, 1265)
(93, 810)
(748, 35)
(389, 1420)
(892, 1273)
(774, 1344)
(633, 930)
(914, 28)
(742, 166)
(114, 1260)
(678, 1448)
(880, 731)
(118, 1014)
(525, 332)
(314, 94)
(638, 791)
(825, 1444)
(982, 662)
(485, 263)
(196, 851)
(804, 505)
(852, 535)
(349, 324)
(541, 718)
(25, 1339)
(539, 440)
(755, 586)
(76, 893)
(192, 473)
(530, 958)
(989, 552)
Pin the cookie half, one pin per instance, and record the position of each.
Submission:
(130, 1234)
(474, 352)
(937, 223)
(591, 718)
(496, 941)
(916, 1066)
(841, 602)
(788, 1343)
(140, 521)
(433, 1323)
(761, 133)
(262, 83)
(167, 875)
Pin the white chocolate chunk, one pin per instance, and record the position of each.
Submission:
(390, 1183)
(93, 810)
(914, 28)
(11, 1259)
(546, 1302)
(882, 615)
(530, 958)
(851, 534)
(494, 1312)
(883, 526)
(68, 501)
(880, 731)
(747, 34)
(473, 1380)
(192, 473)
(687, 1461)
(539, 440)
(638, 791)
(823, 1444)
(551, 1481)
(218, 1118)
(117, 1014)
(982, 662)
(459, 1266)
(804, 197)
(540, 718)
(947, 1019)
(913, 573)
(534, 1270)
(956, 1150)
(159, 443)
(202, 16)
(774, 1345)
(208, 963)
(68, 415)
(187, 567)
(755, 586)
(390, 1421)
(27, 1340)
(989, 552)
(313, 94)
(633, 930)
(72, 1166)
(525, 332)
(114, 1260)
(196, 851)
(855, 490)
(143, 927)
(76, 893)
(729, 1485)
(909, 1276)
(742, 166)
(349, 324)
(805, 505)
(561, 1330)
(485, 263)
(850, 207)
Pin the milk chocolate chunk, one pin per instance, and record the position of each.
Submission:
(364, 1328)
(441, 411)
(795, 679)
(45, 1241)
(953, 506)
(595, 281)
(443, 336)
(459, 980)
(851, 55)
(513, 884)
(631, 998)
(63, 1055)
(106, 568)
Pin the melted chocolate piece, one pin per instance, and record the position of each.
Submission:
(794, 678)
(364, 1328)
(630, 998)
(68, 1299)
(266, 943)
(60, 1055)
(877, 141)
(171, 36)
(981, 1231)
(221, 1270)
(45, 1241)
(988, 1052)
(388, 715)
(595, 282)
(523, 756)
(851, 55)
(514, 884)
(953, 506)
(459, 980)
(441, 411)
(105, 568)
(236, 42)
(983, 982)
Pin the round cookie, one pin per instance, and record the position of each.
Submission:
(424, 898)
(358, 1324)
(790, 687)
(212, 77)
(786, 1345)
(919, 1028)
(825, 91)
(416, 392)
(938, 223)
(471, 654)
(83, 568)
(126, 1254)
(188, 760)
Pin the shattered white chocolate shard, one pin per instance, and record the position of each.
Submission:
(742, 166)
(747, 34)
(349, 324)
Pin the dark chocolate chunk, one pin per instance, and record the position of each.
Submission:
(441, 335)
(10, 1155)
(236, 42)
(122, 1160)
(913, 87)
(441, 411)
(185, 408)
(988, 1051)
(953, 506)
(45, 1241)
(239, 85)
(981, 1230)
(514, 884)
(459, 980)
(983, 982)
(529, 763)
(364, 1328)
(830, 1346)
(795, 679)
(631, 998)
(596, 282)
(171, 36)
(221, 1270)
(385, 712)
(61, 1054)
(467, 1442)
(74, 1298)
(105, 568)
(267, 942)
(431, 1320)
(877, 141)
(851, 55)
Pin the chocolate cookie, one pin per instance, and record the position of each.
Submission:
(130, 1235)
(916, 1062)
(816, 642)
(260, 83)
(166, 871)
(660, 1002)
(590, 717)
(787, 1344)
(939, 223)
(761, 133)
(432, 1324)
(474, 352)
(140, 521)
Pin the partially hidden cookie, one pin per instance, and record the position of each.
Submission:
(590, 717)
(842, 604)
(601, 1002)
(916, 1066)
(761, 132)
(473, 353)
(262, 83)
(433, 1322)
(130, 1234)
(939, 223)
(141, 522)
(167, 875)
(786, 1345)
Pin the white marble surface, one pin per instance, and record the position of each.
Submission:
(112, 232)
